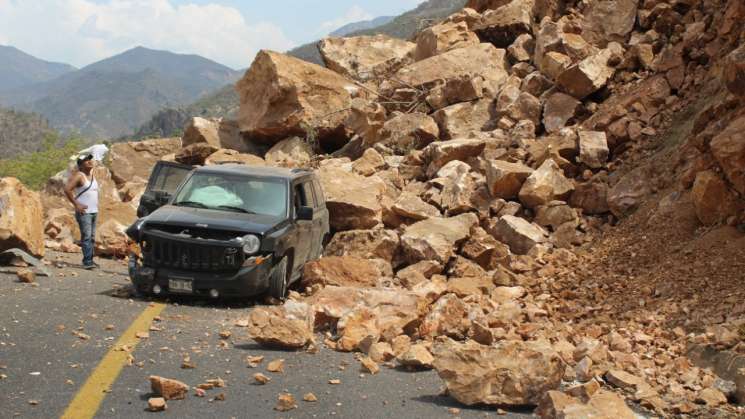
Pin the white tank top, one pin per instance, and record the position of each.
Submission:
(88, 198)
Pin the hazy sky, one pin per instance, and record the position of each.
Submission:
(80, 32)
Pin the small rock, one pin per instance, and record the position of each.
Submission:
(278, 365)
(26, 276)
(156, 404)
(167, 388)
(261, 378)
(335, 381)
(310, 397)
(370, 365)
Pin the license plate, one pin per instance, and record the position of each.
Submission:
(178, 285)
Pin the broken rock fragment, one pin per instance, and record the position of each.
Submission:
(285, 402)
(366, 58)
(417, 356)
(282, 96)
(508, 373)
(593, 148)
(353, 201)
(546, 184)
(435, 238)
(21, 218)
(602, 404)
(502, 26)
(439, 153)
(286, 326)
(589, 75)
(443, 37)
(520, 235)
(156, 404)
(341, 271)
(26, 276)
(505, 179)
(167, 388)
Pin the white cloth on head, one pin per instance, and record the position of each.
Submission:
(98, 151)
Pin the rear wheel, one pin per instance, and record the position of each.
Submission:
(278, 280)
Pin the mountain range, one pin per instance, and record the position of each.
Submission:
(114, 96)
(144, 92)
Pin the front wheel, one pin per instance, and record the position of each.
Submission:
(278, 280)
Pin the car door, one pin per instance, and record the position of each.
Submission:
(303, 227)
(320, 218)
(165, 178)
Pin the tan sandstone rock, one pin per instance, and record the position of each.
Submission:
(133, 161)
(712, 198)
(443, 37)
(286, 326)
(505, 179)
(341, 271)
(510, 372)
(353, 201)
(167, 388)
(589, 75)
(291, 152)
(366, 58)
(282, 96)
(21, 218)
(520, 235)
(544, 185)
(228, 156)
(728, 147)
(435, 238)
(503, 25)
(439, 153)
(593, 148)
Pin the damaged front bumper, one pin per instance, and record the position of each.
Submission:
(250, 280)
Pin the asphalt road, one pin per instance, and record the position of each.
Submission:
(45, 359)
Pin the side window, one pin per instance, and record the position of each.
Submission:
(308, 192)
(300, 198)
(169, 178)
(319, 192)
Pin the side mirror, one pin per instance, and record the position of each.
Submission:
(305, 213)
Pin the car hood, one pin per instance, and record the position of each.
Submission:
(213, 219)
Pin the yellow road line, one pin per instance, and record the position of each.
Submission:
(89, 397)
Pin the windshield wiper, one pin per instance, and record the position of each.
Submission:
(238, 209)
(190, 204)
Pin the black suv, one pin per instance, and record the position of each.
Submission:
(227, 230)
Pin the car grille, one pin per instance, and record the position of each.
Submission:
(163, 252)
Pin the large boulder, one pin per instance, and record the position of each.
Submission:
(215, 132)
(443, 37)
(368, 244)
(517, 233)
(713, 200)
(589, 75)
(21, 218)
(466, 119)
(195, 154)
(133, 161)
(503, 25)
(407, 131)
(288, 326)
(282, 96)
(409, 205)
(436, 238)
(341, 271)
(508, 373)
(225, 156)
(608, 20)
(546, 184)
(439, 153)
(292, 152)
(601, 404)
(559, 109)
(456, 90)
(728, 148)
(482, 59)
(353, 201)
(504, 179)
(366, 58)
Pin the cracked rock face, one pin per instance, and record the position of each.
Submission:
(508, 373)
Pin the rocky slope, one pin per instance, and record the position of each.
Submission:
(20, 69)
(543, 201)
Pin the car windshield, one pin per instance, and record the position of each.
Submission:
(234, 193)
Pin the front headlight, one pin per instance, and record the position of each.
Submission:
(135, 229)
(251, 244)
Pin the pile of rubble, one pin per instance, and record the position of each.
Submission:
(468, 174)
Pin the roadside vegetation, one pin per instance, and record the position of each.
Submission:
(34, 169)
